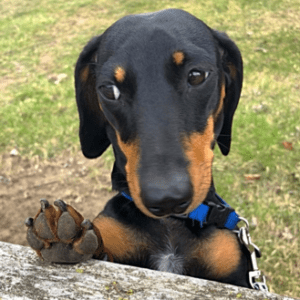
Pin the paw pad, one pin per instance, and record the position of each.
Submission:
(61, 235)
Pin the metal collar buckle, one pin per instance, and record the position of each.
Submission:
(256, 279)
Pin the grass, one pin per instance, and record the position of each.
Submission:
(42, 39)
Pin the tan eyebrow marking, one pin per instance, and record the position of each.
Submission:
(120, 74)
(178, 57)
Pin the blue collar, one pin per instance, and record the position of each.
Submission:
(207, 213)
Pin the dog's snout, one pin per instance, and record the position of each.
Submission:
(163, 196)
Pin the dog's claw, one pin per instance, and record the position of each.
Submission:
(105, 257)
(29, 222)
(87, 224)
(44, 204)
(60, 204)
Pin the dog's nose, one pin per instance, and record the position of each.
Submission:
(164, 197)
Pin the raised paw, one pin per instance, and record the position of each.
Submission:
(62, 235)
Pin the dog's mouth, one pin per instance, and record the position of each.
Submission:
(163, 209)
(169, 208)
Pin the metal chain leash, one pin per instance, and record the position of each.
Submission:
(257, 280)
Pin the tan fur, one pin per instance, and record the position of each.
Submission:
(178, 57)
(117, 239)
(132, 154)
(200, 156)
(120, 74)
(221, 102)
(78, 218)
(221, 252)
(84, 74)
(232, 70)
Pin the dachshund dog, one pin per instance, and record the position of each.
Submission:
(162, 89)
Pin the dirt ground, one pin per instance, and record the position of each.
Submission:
(83, 183)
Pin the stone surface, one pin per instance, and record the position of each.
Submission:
(24, 276)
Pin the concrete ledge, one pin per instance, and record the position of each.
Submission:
(24, 276)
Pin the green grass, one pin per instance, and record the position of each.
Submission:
(41, 39)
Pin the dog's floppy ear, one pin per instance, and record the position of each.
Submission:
(233, 68)
(92, 131)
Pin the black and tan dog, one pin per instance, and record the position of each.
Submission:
(162, 88)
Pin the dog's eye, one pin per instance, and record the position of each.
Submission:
(197, 77)
(110, 92)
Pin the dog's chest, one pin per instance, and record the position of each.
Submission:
(170, 253)
(168, 259)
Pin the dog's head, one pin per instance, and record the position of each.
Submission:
(162, 88)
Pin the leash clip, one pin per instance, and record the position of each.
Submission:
(245, 239)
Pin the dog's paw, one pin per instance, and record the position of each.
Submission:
(62, 235)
